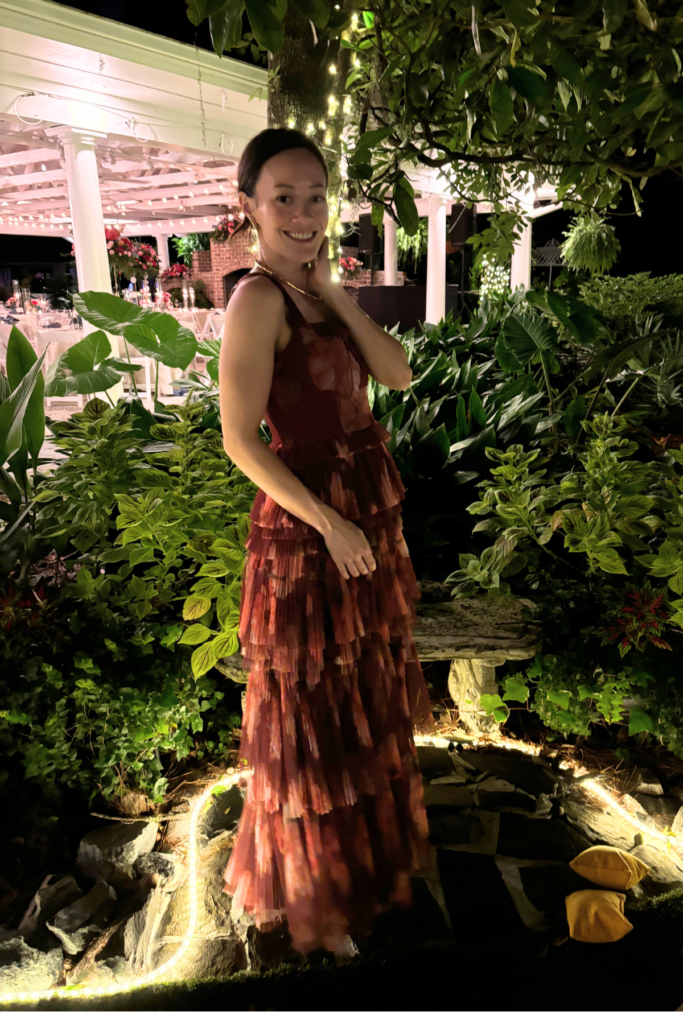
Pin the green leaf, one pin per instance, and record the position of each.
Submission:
(225, 26)
(515, 690)
(195, 634)
(559, 698)
(106, 311)
(529, 336)
(197, 10)
(82, 383)
(267, 29)
(368, 19)
(406, 209)
(639, 721)
(367, 142)
(520, 14)
(87, 354)
(213, 569)
(477, 409)
(529, 85)
(500, 102)
(572, 416)
(613, 14)
(20, 358)
(490, 701)
(225, 645)
(317, 11)
(195, 606)
(203, 659)
(13, 410)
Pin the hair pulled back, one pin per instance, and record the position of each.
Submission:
(268, 143)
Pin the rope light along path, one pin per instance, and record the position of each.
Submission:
(86, 992)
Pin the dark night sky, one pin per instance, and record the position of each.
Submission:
(649, 242)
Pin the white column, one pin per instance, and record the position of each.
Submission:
(390, 252)
(520, 272)
(162, 248)
(436, 259)
(90, 244)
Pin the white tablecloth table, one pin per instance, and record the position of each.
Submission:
(57, 342)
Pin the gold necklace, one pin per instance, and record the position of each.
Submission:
(309, 295)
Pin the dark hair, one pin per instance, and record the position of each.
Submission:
(260, 149)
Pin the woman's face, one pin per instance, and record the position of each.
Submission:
(289, 206)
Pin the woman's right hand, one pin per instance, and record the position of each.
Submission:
(349, 547)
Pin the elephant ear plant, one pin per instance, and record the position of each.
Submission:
(156, 335)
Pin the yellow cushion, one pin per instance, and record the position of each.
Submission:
(595, 915)
(605, 865)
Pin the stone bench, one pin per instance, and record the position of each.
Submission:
(474, 634)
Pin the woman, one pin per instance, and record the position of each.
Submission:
(334, 820)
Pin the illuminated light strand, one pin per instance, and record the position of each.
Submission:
(231, 779)
(665, 837)
(83, 991)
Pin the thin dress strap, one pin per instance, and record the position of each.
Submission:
(292, 308)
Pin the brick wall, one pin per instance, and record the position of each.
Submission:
(223, 257)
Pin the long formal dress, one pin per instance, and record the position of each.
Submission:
(334, 822)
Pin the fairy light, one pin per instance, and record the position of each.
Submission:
(88, 991)
(495, 279)
(332, 69)
(310, 128)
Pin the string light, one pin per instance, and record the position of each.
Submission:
(495, 279)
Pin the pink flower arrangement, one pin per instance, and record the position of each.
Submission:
(120, 250)
(178, 270)
(11, 301)
(166, 296)
(226, 227)
(349, 266)
(145, 257)
(35, 302)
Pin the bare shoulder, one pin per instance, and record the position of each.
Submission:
(257, 296)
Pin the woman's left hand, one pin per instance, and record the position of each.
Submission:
(319, 280)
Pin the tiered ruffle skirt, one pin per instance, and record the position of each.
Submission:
(334, 822)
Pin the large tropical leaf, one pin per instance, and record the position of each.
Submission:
(87, 354)
(529, 336)
(106, 311)
(87, 383)
(20, 359)
(12, 412)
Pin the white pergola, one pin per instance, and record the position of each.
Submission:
(103, 124)
(434, 201)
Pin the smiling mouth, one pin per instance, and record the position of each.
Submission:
(301, 236)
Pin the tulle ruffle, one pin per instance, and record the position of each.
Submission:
(334, 822)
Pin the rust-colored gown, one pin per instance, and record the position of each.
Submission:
(334, 821)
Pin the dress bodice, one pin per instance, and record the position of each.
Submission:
(319, 387)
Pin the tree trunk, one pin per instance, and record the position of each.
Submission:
(302, 87)
(300, 97)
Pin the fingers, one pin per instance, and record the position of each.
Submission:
(362, 565)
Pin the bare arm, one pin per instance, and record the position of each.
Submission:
(253, 320)
(385, 355)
